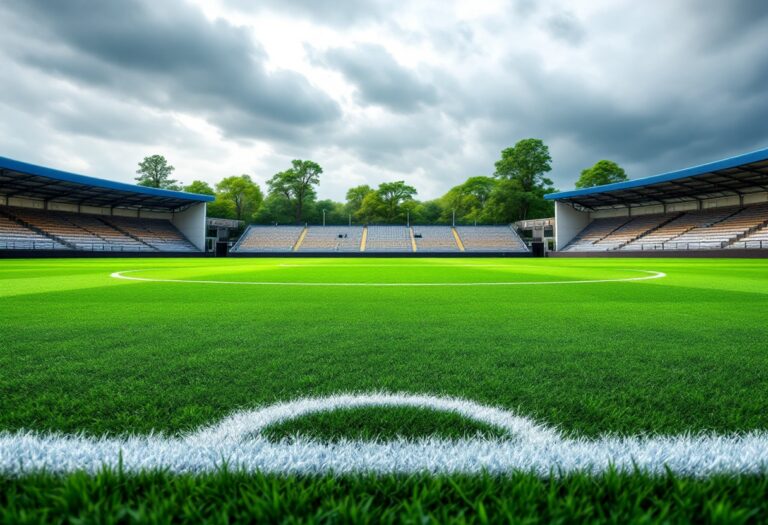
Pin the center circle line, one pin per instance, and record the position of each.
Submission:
(122, 275)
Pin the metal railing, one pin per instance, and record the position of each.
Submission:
(750, 245)
(32, 245)
(54, 245)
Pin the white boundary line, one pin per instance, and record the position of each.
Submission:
(237, 442)
(122, 275)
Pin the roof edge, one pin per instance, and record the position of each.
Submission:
(51, 173)
(730, 162)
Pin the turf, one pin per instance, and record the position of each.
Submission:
(521, 498)
(371, 424)
(81, 351)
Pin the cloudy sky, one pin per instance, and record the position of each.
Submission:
(429, 92)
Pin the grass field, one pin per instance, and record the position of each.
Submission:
(85, 352)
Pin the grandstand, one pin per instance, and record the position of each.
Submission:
(490, 239)
(42, 209)
(388, 239)
(332, 239)
(711, 208)
(380, 239)
(435, 239)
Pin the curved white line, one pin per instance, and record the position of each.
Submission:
(121, 275)
(531, 447)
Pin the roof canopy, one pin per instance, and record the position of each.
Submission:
(738, 175)
(19, 179)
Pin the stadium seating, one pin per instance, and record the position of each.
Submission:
(630, 231)
(490, 239)
(595, 231)
(435, 239)
(756, 239)
(269, 239)
(14, 236)
(332, 239)
(157, 234)
(388, 239)
(721, 233)
(716, 228)
(32, 228)
(656, 239)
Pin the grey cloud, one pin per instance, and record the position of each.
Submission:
(379, 79)
(566, 27)
(168, 55)
(341, 13)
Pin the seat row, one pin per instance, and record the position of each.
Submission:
(32, 228)
(379, 239)
(729, 227)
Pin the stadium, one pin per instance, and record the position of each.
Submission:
(339, 365)
(455, 262)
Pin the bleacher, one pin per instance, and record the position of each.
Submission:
(388, 239)
(332, 239)
(14, 236)
(656, 239)
(38, 229)
(594, 232)
(153, 233)
(720, 234)
(630, 231)
(435, 239)
(715, 228)
(490, 239)
(269, 239)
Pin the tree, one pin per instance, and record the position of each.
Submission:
(603, 172)
(521, 171)
(241, 193)
(468, 200)
(297, 184)
(154, 172)
(200, 187)
(392, 196)
(355, 198)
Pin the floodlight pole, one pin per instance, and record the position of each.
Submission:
(323, 216)
(350, 219)
(454, 218)
(408, 219)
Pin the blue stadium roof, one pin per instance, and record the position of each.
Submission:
(739, 175)
(21, 179)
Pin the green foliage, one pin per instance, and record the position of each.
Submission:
(390, 203)
(521, 193)
(199, 187)
(468, 201)
(154, 172)
(238, 196)
(355, 197)
(297, 185)
(603, 172)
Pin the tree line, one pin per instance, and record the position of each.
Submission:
(514, 191)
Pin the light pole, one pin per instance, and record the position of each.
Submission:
(408, 218)
(454, 218)
(350, 220)
(323, 216)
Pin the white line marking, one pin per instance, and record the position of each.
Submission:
(237, 442)
(122, 275)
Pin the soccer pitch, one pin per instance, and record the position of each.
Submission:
(586, 348)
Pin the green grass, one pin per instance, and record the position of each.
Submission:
(81, 351)
(371, 424)
(521, 498)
